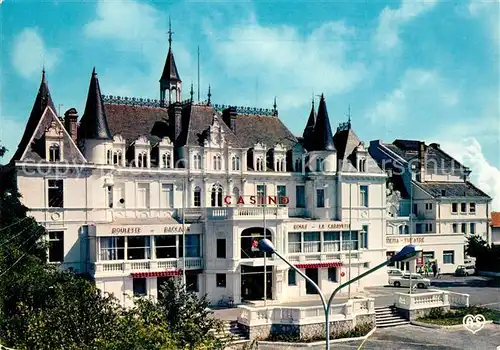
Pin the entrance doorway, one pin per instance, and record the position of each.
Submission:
(312, 274)
(252, 282)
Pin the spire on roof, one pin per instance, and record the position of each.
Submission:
(275, 107)
(94, 124)
(309, 129)
(191, 92)
(322, 137)
(170, 33)
(209, 95)
(170, 73)
(42, 101)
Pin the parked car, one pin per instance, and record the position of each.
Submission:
(465, 270)
(404, 281)
(391, 271)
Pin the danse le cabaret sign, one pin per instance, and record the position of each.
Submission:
(259, 200)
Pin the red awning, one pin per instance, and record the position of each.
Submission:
(156, 274)
(320, 265)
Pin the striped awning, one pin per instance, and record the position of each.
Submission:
(168, 273)
(319, 265)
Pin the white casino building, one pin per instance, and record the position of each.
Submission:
(137, 191)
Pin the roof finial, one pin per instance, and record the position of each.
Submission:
(209, 95)
(275, 110)
(349, 116)
(191, 92)
(170, 33)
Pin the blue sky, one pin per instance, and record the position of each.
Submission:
(408, 69)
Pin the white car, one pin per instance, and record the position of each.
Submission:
(404, 281)
(394, 272)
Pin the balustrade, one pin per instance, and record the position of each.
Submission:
(126, 267)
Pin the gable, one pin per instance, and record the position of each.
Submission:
(50, 125)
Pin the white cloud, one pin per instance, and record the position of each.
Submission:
(30, 53)
(286, 63)
(390, 21)
(417, 87)
(486, 176)
(490, 12)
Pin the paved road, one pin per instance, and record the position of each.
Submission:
(413, 338)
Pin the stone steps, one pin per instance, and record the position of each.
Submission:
(232, 333)
(387, 316)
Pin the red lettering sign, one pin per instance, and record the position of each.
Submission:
(227, 200)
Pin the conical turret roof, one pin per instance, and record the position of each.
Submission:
(322, 136)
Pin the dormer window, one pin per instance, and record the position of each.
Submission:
(217, 162)
(235, 163)
(260, 164)
(298, 165)
(142, 160)
(362, 165)
(109, 156)
(197, 161)
(117, 158)
(54, 153)
(280, 164)
(319, 164)
(167, 161)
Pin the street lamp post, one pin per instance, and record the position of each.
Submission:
(408, 252)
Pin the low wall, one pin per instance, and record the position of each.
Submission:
(306, 323)
(414, 306)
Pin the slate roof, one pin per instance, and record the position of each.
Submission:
(135, 121)
(42, 100)
(309, 129)
(94, 124)
(322, 136)
(269, 130)
(170, 72)
(452, 189)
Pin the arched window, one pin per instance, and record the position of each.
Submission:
(260, 164)
(197, 197)
(362, 165)
(216, 196)
(280, 164)
(54, 153)
(217, 162)
(109, 156)
(319, 164)
(236, 163)
(197, 161)
(298, 165)
(142, 160)
(166, 160)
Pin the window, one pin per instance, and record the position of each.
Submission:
(197, 197)
(197, 161)
(117, 158)
(109, 194)
(449, 257)
(191, 281)
(261, 194)
(312, 243)
(454, 207)
(217, 162)
(193, 246)
(167, 195)
(331, 241)
(220, 280)
(138, 248)
(351, 243)
(260, 164)
(221, 248)
(319, 164)
(298, 165)
(56, 194)
(332, 274)
(139, 286)
(300, 196)
(455, 228)
(55, 153)
(294, 242)
(281, 193)
(363, 193)
(418, 228)
(292, 277)
(235, 163)
(109, 156)
(280, 164)
(362, 165)
(363, 237)
(142, 160)
(463, 207)
(428, 206)
(56, 246)
(166, 246)
(320, 198)
(472, 208)
(472, 228)
(142, 195)
(428, 227)
(112, 248)
(464, 228)
(167, 160)
(415, 209)
(216, 196)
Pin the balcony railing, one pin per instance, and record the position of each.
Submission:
(231, 213)
(127, 267)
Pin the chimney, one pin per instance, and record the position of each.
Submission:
(422, 161)
(229, 116)
(175, 112)
(70, 119)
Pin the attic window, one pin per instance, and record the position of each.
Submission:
(319, 164)
(217, 162)
(298, 165)
(362, 165)
(280, 164)
(54, 153)
(443, 193)
(260, 164)
(236, 163)
(167, 160)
